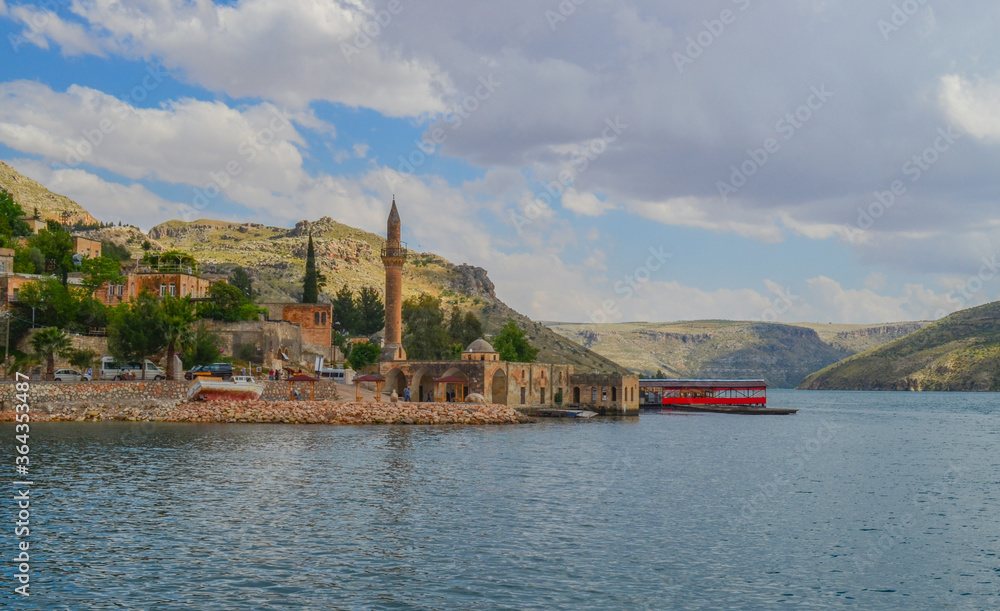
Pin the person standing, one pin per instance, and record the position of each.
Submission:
(406, 394)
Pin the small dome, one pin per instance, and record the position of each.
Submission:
(480, 346)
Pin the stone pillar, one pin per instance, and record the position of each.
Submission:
(393, 258)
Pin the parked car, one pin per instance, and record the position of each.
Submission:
(190, 373)
(215, 370)
(70, 375)
(112, 370)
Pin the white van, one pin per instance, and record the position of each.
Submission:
(337, 375)
(112, 370)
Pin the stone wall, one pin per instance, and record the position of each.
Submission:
(109, 393)
(606, 394)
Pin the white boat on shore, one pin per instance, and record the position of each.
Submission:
(237, 388)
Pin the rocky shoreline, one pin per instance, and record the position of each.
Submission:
(279, 412)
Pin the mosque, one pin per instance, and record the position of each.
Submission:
(527, 387)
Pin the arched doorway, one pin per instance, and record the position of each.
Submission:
(395, 380)
(576, 395)
(498, 388)
(421, 384)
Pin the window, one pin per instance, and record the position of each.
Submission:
(543, 394)
(604, 394)
(315, 318)
(16, 291)
(323, 318)
(593, 394)
(173, 289)
(3, 266)
(111, 290)
(614, 393)
(131, 289)
(163, 290)
(121, 289)
(523, 390)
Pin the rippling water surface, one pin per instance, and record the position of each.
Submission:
(873, 500)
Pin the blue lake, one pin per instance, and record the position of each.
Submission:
(871, 500)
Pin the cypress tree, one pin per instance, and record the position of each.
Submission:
(310, 288)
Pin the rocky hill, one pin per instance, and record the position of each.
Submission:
(958, 352)
(31, 196)
(781, 354)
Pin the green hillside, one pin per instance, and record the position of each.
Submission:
(960, 352)
(782, 354)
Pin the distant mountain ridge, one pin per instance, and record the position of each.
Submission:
(960, 352)
(782, 354)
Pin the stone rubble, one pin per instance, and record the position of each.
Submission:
(280, 412)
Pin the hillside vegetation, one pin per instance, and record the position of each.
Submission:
(782, 354)
(276, 257)
(959, 352)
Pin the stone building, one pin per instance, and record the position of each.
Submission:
(523, 386)
(315, 321)
(176, 284)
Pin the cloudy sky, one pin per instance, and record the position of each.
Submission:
(605, 160)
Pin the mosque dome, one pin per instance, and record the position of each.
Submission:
(480, 346)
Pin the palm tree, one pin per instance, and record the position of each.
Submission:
(47, 343)
(178, 316)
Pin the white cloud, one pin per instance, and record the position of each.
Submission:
(709, 214)
(289, 51)
(586, 204)
(184, 142)
(106, 201)
(973, 104)
(41, 25)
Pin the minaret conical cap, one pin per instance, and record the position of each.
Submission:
(393, 232)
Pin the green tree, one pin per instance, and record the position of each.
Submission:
(464, 328)
(137, 330)
(370, 311)
(114, 251)
(100, 270)
(512, 344)
(344, 310)
(202, 347)
(227, 302)
(363, 355)
(310, 285)
(56, 245)
(12, 217)
(82, 358)
(425, 337)
(178, 316)
(50, 303)
(240, 278)
(46, 344)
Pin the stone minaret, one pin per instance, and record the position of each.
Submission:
(393, 257)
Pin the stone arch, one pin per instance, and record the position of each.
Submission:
(395, 380)
(614, 393)
(455, 372)
(498, 388)
(576, 395)
(420, 384)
